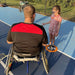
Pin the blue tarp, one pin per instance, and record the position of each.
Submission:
(59, 63)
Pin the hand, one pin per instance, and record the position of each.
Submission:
(43, 24)
(56, 34)
(44, 45)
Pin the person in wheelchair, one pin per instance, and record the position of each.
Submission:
(28, 38)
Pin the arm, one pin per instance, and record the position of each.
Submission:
(44, 44)
(45, 38)
(47, 23)
(9, 38)
(9, 42)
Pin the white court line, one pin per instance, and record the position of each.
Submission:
(5, 23)
(66, 55)
(2, 63)
(58, 50)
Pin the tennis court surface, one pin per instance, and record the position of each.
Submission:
(61, 62)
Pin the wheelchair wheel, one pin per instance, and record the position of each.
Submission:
(45, 61)
(7, 68)
(8, 62)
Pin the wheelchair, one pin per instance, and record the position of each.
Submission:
(26, 58)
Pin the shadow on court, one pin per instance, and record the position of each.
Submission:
(60, 64)
(65, 35)
(70, 69)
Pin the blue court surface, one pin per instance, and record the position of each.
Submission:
(61, 62)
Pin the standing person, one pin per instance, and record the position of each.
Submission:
(21, 5)
(55, 23)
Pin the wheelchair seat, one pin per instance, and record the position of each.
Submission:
(22, 57)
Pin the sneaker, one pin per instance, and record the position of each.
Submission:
(49, 47)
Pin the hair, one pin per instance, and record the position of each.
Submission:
(58, 8)
(29, 11)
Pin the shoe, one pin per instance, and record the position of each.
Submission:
(53, 47)
(49, 47)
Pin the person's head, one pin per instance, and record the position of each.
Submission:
(29, 12)
(56, 9)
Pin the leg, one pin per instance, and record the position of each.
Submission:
(53, 39)
(50, 39)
